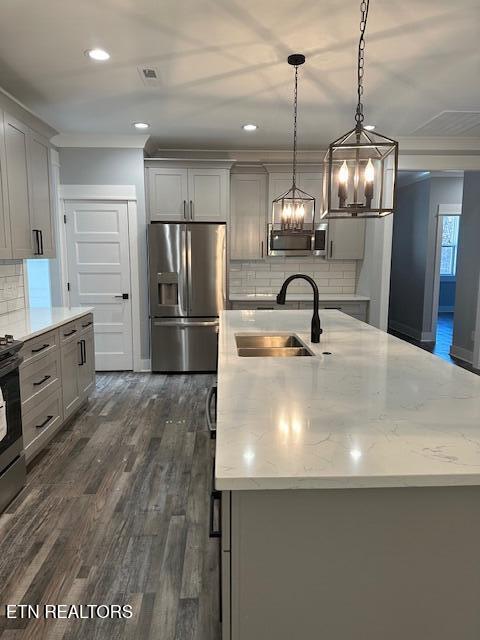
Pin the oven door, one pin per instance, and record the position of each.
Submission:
(11, 442)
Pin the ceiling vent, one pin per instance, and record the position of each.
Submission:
(452, 124)
(150, 76)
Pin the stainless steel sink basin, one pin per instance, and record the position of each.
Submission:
(270, 346)
(263, 340)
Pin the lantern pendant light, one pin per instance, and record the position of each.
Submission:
(293, 212)
(360, 167)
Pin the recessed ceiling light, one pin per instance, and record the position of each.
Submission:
(369, 127)
(249, 127)
(99, 55)
(141, 125)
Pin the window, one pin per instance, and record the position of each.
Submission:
(38, 277)
(448, 258)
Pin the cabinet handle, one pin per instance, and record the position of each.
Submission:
(215, 495)
(191, 210)
(212, 392)
(331, 248)
(44, 379)
(81, 344)
(185, 210)
(70, 333)
(87, 324)
(44, 423)
(44, 346)
(36, 236)
(262, 247)
(84, 351)
(41, 241)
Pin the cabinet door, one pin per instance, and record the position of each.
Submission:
(278, 183)
(208, 192)
(168, 193)
(40, 175)
(70, 386)
(346, 239)
(5, 242)
(248, 223)
(16, 148)
(86, 371)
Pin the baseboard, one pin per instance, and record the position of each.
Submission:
(461, 354)
(145, 366)
(427, 336)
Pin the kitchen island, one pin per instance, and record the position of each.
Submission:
(350, 484)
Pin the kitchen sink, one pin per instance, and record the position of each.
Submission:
(270, 346)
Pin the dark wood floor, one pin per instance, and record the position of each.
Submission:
(116, 512)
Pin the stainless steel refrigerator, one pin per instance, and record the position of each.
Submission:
(187, 264)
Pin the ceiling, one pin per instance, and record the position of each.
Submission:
(222, 63)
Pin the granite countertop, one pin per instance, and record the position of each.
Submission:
(298, 297)
(377, 412)
(31, 322)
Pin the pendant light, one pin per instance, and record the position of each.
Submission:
(293, 212)
(360, 167)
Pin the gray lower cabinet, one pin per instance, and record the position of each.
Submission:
(56, 376)
(70, 365)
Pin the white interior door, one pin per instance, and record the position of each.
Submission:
(99, 276)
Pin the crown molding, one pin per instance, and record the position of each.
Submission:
(101, 140)
(26, 115)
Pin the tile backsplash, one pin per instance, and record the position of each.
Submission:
(267, 276)
(12, 294)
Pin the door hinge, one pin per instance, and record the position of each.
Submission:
(68, 286)
(65, 218)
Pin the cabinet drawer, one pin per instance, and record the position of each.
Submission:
(85, 322)
(38, 379)
(41, 423)
(39, 347)
(70, 331)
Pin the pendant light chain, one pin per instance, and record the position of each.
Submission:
(294, 162)
(361, 60)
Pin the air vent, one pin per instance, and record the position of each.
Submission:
(150, 76)
(452, 124)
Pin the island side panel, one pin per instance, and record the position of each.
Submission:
(378, 563)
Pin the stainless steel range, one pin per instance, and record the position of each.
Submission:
(12, 459)
(187, 292)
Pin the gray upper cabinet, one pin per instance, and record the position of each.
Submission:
(168, 193)
(29, 202)
(5, 241)
(188, 194)
(16, 150)
(346, 239)
(41, 196)
(248, 220)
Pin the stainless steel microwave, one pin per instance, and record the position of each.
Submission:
(298, 243)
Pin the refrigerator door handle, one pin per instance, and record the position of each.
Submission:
(185, 302)
(181, 325)
(189, 268)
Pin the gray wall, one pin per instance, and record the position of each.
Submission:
(115, 166)
(413, 253)
(468, 265)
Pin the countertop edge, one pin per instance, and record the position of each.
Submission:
(17, 317)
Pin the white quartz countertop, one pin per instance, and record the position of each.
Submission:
(377, 412)
(297, 297)
(31, 322)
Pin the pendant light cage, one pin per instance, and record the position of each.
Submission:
(360, 167)
(293, 211)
